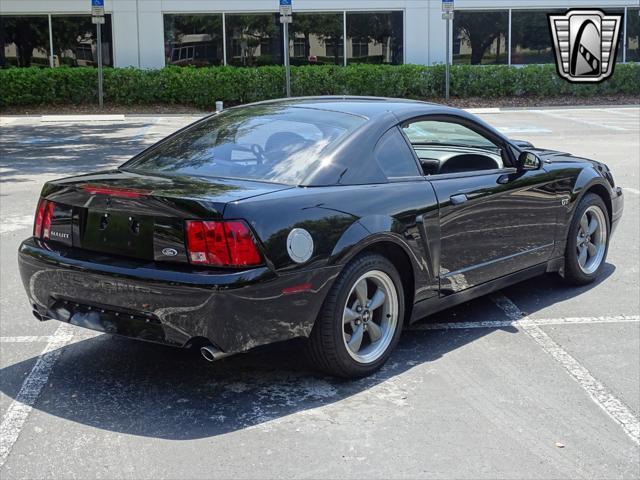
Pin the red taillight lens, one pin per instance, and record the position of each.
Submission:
(228, 244)
(37, 226)
(242, 248)
(46, 222)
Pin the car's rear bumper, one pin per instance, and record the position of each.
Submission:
(233, 310)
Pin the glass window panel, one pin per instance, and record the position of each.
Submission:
(266, 142)
(481, 37)
(24, 41)
(382, 32)
(193, 40)
(253, 39)
(621, 34)
(633, 35)
(75, 44)
(317, 38)
(530, 37)
(394, 156)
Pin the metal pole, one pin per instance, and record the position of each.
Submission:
(446, 68)
(286, 58)
(51, 64)
(100, 99)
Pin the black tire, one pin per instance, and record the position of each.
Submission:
(573, 273)
(326, 347)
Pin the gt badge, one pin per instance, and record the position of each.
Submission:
(299, 245)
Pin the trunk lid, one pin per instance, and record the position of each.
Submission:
(140, 216)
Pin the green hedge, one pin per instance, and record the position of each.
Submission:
(201, 87)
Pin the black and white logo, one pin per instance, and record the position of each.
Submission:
(169, 252)
(586, 44)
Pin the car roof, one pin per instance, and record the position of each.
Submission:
(368, 107)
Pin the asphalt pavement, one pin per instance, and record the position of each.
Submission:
(540, 380)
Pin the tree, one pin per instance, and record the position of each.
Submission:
(480, 30)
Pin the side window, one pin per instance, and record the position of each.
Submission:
(394, 156)
(448, 147)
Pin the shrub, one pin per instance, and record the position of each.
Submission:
(201, 87)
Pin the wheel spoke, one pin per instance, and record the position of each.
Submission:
(356, 339)
(592, 249)
(362, 293)
(349, 315)
(593, 225)
(377, 300)
(374, 331)
(582, 258)
(584, 224)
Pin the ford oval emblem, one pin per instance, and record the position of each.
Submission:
(169, 252)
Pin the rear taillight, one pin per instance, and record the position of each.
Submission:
(37, 226)
(225, 244)
(44, 214)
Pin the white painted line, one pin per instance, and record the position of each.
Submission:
(516, 323)
(631, 190)
(19, 410)
(617, 410)
(523, 129)
(577, 120)
(618, 111)
(477, 111)
(26, 339)
(12, 224)
(82, 118)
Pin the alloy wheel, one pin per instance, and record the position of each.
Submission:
(370, 316)
(591, 241)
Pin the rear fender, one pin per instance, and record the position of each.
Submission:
(379, 229)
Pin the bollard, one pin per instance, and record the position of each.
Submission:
(219, 106)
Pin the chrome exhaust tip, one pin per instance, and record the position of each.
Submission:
(211, 353)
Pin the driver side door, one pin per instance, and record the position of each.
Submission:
(494, 219)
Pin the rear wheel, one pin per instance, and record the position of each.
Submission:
(588, 241)
(361, 319)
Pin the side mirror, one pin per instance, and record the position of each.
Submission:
(528, 161)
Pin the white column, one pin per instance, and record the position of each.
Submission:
(418, 34)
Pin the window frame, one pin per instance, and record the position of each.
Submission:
(508, 156)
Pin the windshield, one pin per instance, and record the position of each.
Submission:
(274, 143)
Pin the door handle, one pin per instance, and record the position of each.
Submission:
(458, 199)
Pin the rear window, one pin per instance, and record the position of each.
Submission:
(281, 144)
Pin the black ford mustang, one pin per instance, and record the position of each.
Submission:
(336, 219)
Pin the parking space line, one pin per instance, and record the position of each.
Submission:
(26, 339)
(577, 120)
(21, 407)
(631, 190)
(617, 410)
(516, 323)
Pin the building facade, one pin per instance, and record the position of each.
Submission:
(155, 33)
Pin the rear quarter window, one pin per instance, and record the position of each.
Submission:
(394, 156)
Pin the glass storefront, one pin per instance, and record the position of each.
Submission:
(316, 39)
(193, 40)
(480, 37)
(75, 43)
(253, 39)
(375, 37)
(24, 41)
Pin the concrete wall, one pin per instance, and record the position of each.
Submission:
(138, 35)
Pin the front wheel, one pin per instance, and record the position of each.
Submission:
(361, 319)
(588, 241)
